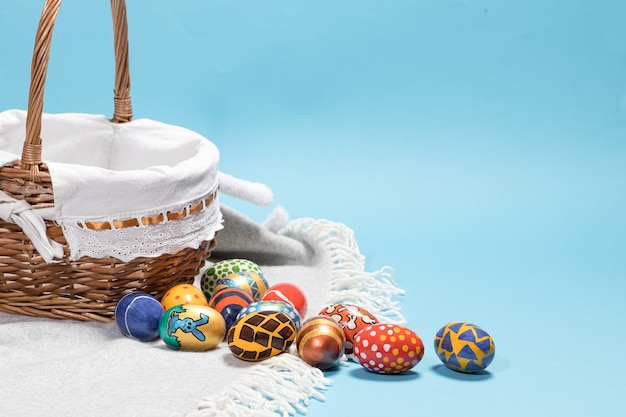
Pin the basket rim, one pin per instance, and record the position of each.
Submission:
(147, 164)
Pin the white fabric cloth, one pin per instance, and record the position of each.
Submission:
(252, 192)
(33, 225)
(102, 171)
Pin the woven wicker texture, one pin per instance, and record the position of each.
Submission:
(87, 289)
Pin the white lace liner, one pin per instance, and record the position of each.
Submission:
(284, 385)
(150, 240)
(104, 172)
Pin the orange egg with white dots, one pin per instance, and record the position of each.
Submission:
(388, 348)
(183, 294)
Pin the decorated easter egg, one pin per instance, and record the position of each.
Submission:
(289, 293)
(273, 306)
(351, 318)
(321, 342)
(388, 348)
(192, 327)
(464, 347)
(137, 315)
(229, 302)
(183, 294)
(222, 269)
(250, 281)
(261, 335)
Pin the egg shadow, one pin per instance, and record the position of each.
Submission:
(446, 372)
(333, 370)
(364, 374)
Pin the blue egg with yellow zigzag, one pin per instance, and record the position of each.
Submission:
(464, 347)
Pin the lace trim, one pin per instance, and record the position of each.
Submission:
(143, 236)
(152, 219)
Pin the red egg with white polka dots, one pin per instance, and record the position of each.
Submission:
(388, 348)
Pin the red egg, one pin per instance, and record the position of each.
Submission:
(351, 318)
(388, 348)
(288, 293)
(321, 342)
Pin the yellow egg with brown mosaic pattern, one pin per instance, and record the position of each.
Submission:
(261, 335)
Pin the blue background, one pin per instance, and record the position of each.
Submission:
(477, 147)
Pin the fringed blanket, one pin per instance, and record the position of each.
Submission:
(66, 368)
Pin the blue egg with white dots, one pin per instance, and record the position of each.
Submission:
(137, 315)
(273, 306)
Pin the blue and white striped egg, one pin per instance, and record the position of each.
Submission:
(273, 306)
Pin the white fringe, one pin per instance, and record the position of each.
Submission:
(349, 282)
(284, 385)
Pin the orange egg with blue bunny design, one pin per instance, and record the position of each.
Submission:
(192, 327)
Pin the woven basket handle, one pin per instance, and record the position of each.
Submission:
(31, 153)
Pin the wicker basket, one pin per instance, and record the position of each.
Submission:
(87, 288)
